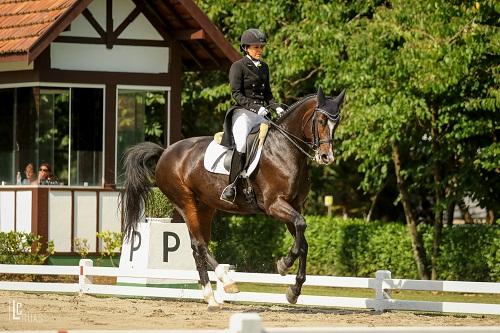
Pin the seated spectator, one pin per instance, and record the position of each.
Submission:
(45, 176)
(29, 171)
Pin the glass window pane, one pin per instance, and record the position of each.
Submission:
(141, 117)
(7, 98)
(53, 131)
(26, 130)
(87, 136)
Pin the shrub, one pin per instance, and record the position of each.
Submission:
(112, 242)
(251, 243)
(158, 205)
(356, 248)
(469, 253)
(23, 248)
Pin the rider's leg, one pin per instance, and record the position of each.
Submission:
(243, 122)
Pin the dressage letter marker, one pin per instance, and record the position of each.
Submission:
(132, 247)
(166, 247)
(157, 245)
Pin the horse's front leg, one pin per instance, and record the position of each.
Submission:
(296, 224)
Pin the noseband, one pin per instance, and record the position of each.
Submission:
(316, 142)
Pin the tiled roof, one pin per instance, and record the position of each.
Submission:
(23, 22)
(27, 27)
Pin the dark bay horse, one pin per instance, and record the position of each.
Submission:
(281, 184)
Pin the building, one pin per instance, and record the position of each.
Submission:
(80, 81)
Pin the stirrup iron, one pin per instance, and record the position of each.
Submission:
(228, 188)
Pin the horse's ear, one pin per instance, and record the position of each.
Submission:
(339, 99)
(321, 97)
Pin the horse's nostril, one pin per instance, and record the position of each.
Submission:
(324, 158)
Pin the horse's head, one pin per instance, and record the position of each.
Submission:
(325, 119)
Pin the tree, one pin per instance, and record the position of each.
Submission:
(422, 108)
(415, 69)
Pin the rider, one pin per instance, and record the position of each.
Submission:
(250, 88)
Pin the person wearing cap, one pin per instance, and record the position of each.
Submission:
(250, 88)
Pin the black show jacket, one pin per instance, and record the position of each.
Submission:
(250, 85)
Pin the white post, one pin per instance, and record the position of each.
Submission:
(84, 279)
(380, 294)
(245, 323)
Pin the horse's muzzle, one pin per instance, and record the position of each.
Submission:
(325, 159)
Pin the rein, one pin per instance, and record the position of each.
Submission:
(290, 137)
(314, 145)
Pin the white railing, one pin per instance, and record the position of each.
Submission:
(382, 285)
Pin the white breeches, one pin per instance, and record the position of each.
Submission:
(243, 122)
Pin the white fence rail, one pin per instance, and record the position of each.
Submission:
(382, 285)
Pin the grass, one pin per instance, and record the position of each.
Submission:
(413, 295)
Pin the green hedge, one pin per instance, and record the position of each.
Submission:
(158, 205)
(251, 243)
(356, 248)
(23, 248)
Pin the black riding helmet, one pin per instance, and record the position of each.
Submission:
(252, 37)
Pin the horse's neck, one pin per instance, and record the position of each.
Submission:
(293, 124)
(296, 122)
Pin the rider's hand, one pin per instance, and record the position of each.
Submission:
(262, 111)
(279, 111)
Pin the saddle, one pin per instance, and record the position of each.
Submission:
(217, 158)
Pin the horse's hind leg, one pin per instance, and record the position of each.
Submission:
(199, 220)
(230, 286)
(205, 217)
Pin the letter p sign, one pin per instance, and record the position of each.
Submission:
(171, 243)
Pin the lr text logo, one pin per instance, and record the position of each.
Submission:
(16, 310)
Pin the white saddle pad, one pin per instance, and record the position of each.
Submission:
(214, 160)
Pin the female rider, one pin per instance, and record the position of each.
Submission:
(250, 88)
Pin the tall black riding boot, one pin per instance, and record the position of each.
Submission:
(237, 164)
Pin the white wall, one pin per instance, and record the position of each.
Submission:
(7, 211)
(85, 217)
(23, 211)
(60, 220)
(87, 220)
(121, 58)
(15, 211)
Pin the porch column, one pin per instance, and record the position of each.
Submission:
(175, 72)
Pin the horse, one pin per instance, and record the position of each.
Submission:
(280, 183)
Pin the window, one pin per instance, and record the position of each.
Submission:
(60, 126)
(140, 117)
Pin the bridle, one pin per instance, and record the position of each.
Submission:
(316, 142)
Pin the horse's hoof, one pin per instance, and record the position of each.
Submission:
(281, 267)
(290, 296)
(231, 288)
(213, 306)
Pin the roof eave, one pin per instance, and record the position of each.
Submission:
(14, 57)
(55, 29)
(211, 30)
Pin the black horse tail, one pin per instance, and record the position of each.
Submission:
(139, 163)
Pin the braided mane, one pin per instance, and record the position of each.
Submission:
(294, 106)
